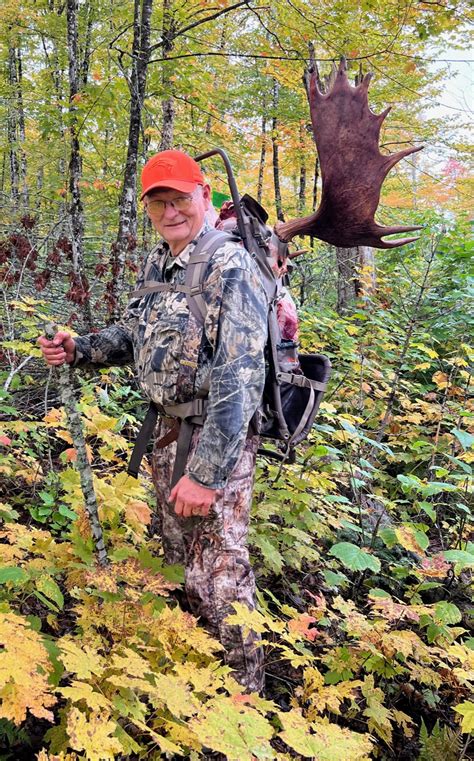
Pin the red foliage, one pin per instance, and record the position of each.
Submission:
(28, 222)
(79, 289)
(100, 269)
(54, 257)
(42, 279)
(132, 266)
(5, 251)
(64, 245)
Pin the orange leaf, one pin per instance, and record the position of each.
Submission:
(301, 625)
(5, 441)
(71, 454)
(138, 512)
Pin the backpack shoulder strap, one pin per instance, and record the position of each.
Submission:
(206, 247)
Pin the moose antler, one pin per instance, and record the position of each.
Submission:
(347, 133)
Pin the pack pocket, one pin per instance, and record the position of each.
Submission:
(298, 396)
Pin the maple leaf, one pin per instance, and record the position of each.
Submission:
(238, 731)
(326, 742)
(24, 671)
(379, 717)
(466, 710)
(82, 661)
(78, 691)
(93, 735)
(175, 693)
(301, 626)
(138, 512)
(179, 634)
(130, 662)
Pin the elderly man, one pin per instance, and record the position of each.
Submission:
(204, 519)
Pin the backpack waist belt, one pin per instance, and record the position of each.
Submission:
(185, 416)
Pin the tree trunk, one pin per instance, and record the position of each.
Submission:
(314, 197)
(167, 104)
(356, 275)
(127, 231)
(367, 271)
(346, 259)
(12, 130)
(302, 182)
(276, 164)
(79, 291)
(263, 152)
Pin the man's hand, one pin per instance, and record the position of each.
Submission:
(58, 351)
(191, 498)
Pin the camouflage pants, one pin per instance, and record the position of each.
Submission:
(214, 553)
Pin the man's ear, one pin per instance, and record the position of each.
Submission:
(206, 194)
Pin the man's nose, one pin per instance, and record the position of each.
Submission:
(170, 210)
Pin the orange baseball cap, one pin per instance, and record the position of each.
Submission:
(171, 169)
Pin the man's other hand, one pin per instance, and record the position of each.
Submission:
(58, 351)
(191, 498)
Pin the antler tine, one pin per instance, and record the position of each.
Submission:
(392, 229)
(365, 81)
(381, 117)
(395, 243)
(394, 158)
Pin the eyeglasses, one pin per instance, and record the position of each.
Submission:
(157, 207)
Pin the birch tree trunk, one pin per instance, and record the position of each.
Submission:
(302, 179)
(263, 151)
(276, 163)
(167, 104)
(127, 230)
(12, 131)
(79, 291)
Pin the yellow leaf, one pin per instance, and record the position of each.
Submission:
(352, 330)
(408, 540)
(81, 661)
(93, 735)
(466, 710)
(24, 671)
(326, 742)
(131, 662)
(78, 691)
(176, 694)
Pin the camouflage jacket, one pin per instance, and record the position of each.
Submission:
(156, 329)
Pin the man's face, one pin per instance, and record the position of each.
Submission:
(178, 226)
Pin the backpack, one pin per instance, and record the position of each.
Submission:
(294, 382)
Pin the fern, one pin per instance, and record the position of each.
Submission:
(443, 744)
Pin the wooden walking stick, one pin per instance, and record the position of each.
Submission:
(68, 399)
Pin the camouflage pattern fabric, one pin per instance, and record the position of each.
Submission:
(153, 333)
(214, 553)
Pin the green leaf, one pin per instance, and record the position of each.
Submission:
(461, 558)
(465, 438)
(49, 588)
(447, 613)
(355, 558)
(436, 487)
(13, 574)
(428, 508)
(333, 579)
(67, 512)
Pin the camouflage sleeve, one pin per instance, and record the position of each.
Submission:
(112, 346)
(237, 375)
